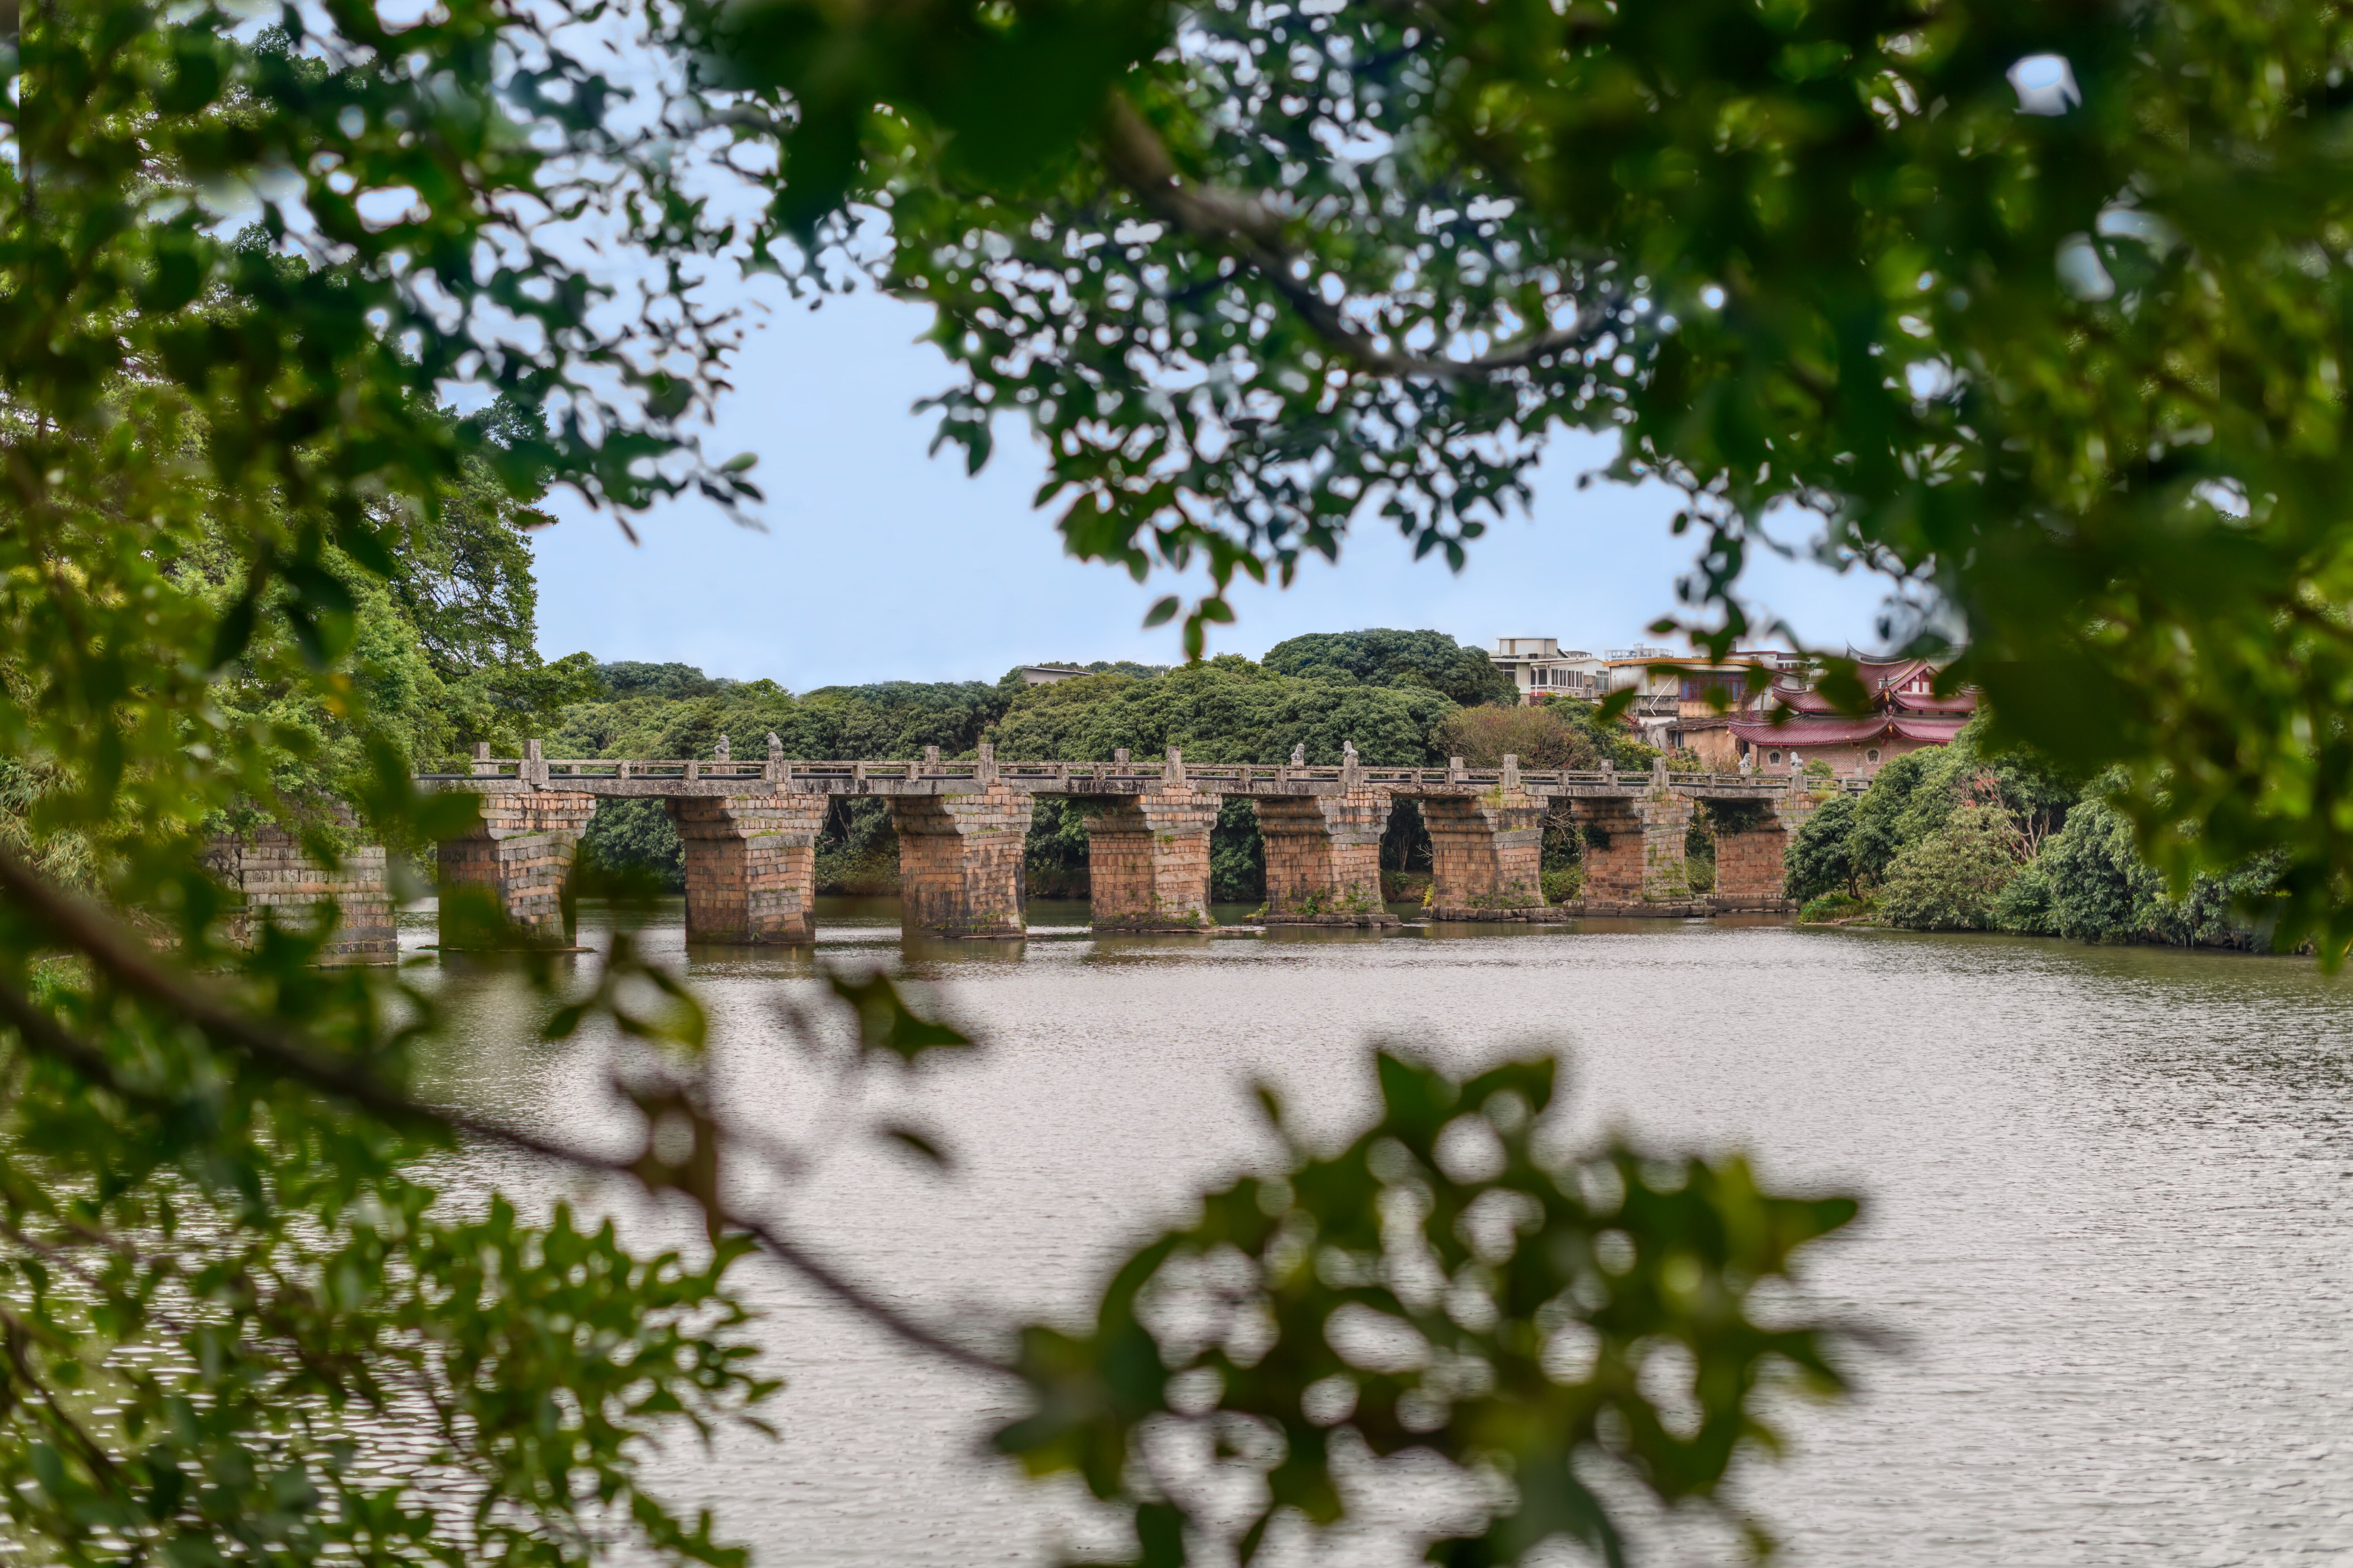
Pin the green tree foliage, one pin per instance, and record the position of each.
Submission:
(220, 452)
(1396, 659)
(1954, 878)
(1424, 1228)
(2091, 883)
(636, 835)
(1559, 732)
(1227, 710)
(1819, 859)
(626, 679)
(2019, 295)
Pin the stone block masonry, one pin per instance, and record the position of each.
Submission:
(1323, 857)
(280, 883)
(960, 861)
(520, 848)
(963, 824)
(1640, 858)
(751, 867)
(1486, 856)
(1148, 861)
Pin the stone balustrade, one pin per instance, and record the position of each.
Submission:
(750, 828)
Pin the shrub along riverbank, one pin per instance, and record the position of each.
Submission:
(1959, 839)
(1402, 697)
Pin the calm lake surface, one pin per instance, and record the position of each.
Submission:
(2109, 1207)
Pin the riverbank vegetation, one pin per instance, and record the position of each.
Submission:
(1962, 838)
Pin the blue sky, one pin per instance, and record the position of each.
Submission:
(879, 562)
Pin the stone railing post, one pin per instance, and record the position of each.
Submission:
(1453, 770)
(1119, 757)
(774, 771)
(483, 768)
(1351, 771)
(984, 771)
(931, 767)
(1510, 772)
(1173, 773)
(534, 764)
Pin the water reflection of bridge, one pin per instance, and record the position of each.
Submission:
(750, 828)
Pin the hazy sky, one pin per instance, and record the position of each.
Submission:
(881, 563)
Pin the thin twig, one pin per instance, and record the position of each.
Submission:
(1251, 228)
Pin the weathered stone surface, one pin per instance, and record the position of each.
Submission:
(1323, 857)
(751, 867)
(520, 847)
(279, 882)
(1486, 855)
(962, 827)
(960, 861)
(1641, 859)
(1751, 861)
(1148, 861)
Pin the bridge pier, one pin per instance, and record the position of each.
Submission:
(520, 849)
(1486, 852)
(1149, 859)
(1323, 857)
(1641, 858)
(269, 868)
(960, 861)
(1752, 858)
(751, 867)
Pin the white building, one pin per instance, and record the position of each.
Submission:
(1540, 667)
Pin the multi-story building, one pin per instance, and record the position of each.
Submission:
(1540, 667)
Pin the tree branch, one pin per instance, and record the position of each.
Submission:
(132, 965)
(1251, 227)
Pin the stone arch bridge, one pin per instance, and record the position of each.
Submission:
(750, 829)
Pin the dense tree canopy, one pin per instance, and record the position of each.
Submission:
(1385, 657)
(2042, 305)
(2038, 301)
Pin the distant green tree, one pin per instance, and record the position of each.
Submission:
(636, 835)
(624, 678)
(1396, 659)
(1227, 710)
(2092, 883)
(1559, 732)
(1954, 878)
(1236, 855)
(1819, 859)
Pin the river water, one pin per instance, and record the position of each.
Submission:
(2109, 1221)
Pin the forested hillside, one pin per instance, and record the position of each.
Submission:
(1401, 698)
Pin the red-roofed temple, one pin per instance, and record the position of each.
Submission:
(1791, 722)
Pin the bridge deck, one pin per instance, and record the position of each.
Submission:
(687, 776)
